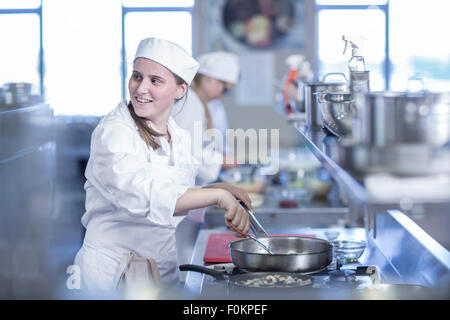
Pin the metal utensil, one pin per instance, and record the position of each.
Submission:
(312, 108)
(291, 254)
(338, 109)
(249, 235)
(255, 226)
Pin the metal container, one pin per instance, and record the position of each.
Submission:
(2, 98)
(338, 110)
(290, 254)
(362, 159)
(314, 118)
(17, 94)
(390, 118)
(359, 81)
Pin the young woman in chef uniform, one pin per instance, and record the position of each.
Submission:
(141, 173)
(217, 74)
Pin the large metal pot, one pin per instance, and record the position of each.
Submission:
(338, 110)
(389, 118)
(17, 94)
(314, 118)
(290, 254)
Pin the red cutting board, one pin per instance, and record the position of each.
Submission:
(217, 250)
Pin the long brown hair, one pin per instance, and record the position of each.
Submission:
(145, 131)
(197, 83)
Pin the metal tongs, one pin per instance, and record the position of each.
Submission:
(255, 227)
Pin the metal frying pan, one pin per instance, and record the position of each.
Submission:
(289, 253)
(255, 279)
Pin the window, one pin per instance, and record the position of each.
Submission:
(402, 40)
(170, 20)
(75, 49)
(365, 23)
(20, 56)
(419, 44)
(82, 56)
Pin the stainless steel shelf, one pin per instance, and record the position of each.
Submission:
(326, 149)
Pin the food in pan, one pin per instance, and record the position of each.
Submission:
(276, 280)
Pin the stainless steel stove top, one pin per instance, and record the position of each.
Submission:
(391, 275)
(334, 278)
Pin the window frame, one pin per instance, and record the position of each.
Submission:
(38, 11)
(383, 7)
(126, 10)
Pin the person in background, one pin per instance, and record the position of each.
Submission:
(217, 75)
(141, 174)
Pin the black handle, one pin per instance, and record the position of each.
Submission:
(193, 267)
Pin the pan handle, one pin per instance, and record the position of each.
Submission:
(193, 267)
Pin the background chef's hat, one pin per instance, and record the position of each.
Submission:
(169, 55)
(220, 65)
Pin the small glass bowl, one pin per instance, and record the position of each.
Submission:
(348, 251)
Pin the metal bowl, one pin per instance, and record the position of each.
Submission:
(348, 251)
(338, 109)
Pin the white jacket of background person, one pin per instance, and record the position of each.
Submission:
(219, 116)
(192, 116)
(131, 193)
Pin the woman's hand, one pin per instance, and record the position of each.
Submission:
(237, 192)
(233, 211)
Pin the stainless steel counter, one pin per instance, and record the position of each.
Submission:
(328, 150)
(27, 175)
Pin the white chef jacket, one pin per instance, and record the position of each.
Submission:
(218, 115)
(131, 193)
(211, 158)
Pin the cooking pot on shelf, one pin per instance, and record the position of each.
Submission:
(17, 94)
(394, 159)
(338, 110)
(389, 118)
(314, 118)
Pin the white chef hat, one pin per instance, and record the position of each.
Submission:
(169, 55)
(220, 65)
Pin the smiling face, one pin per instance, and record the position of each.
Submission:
(153, 90)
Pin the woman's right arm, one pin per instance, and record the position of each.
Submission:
(195, 198)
